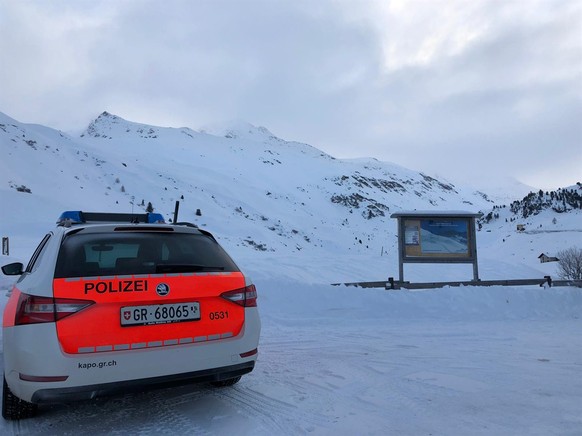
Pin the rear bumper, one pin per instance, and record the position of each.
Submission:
(33, 351)
(79, 393)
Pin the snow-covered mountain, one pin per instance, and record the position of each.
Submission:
(286, 195)
(258, 192)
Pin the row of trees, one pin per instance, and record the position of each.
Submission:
(559, 201)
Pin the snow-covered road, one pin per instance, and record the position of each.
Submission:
(376, 362)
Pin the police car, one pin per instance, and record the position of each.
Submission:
(111, 303)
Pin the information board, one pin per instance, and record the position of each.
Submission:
(444, 237)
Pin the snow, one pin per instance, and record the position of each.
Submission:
(332, 359)
(352, 361)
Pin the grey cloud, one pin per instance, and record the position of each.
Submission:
(314, 72)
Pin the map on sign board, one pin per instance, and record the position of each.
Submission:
(444, 236)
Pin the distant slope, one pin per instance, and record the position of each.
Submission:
(563, 200)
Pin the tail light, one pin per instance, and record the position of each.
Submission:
(246, 297)
(34, 310)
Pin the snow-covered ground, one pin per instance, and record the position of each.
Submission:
(344, 360)
(332, 359)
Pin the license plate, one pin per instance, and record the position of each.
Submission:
(159, 314)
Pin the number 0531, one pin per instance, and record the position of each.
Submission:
(218, 315)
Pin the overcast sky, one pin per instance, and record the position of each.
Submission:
(467, 90)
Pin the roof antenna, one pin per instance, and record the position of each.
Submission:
(176, 211)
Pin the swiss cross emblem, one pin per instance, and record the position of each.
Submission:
(127, 315)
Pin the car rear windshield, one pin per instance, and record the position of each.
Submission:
(104, 254)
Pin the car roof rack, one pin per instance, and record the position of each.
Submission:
(187, 224)
(71, 217)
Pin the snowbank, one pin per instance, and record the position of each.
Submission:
(287, 299)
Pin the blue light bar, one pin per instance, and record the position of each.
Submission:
(154, 218)
(71, 217)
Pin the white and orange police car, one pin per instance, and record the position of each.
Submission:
(118, 302)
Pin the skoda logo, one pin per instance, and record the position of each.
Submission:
(162, 289)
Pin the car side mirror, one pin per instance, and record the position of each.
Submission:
(13, 269)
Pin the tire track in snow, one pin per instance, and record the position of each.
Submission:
(161, 415)
(154, 412)
(278, 416)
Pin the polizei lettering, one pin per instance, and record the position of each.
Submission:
(116, 286)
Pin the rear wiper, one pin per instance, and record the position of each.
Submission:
(179, 268)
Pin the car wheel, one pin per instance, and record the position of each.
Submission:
(15, 408)
(227, 382)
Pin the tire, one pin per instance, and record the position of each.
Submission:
(225, 383)
(14, 408)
